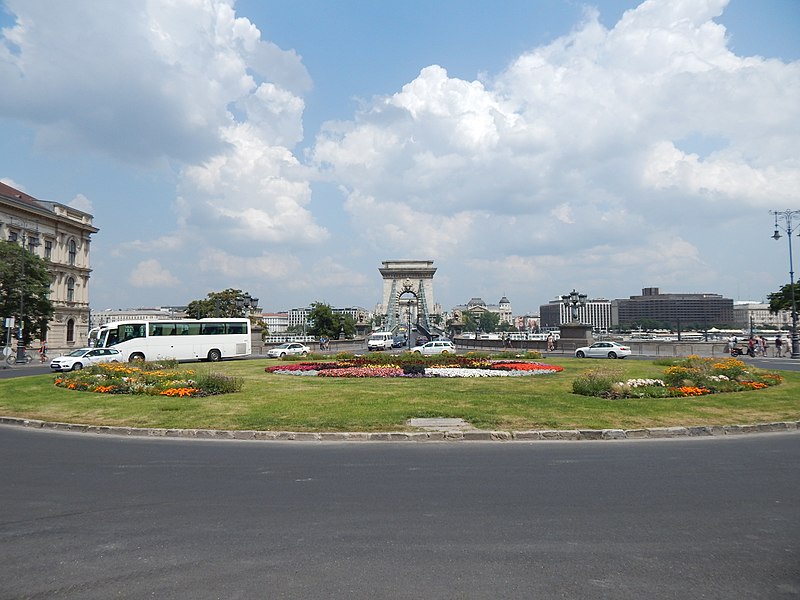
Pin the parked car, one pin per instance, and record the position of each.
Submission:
(399, 341)
(435, 347)
(289, 349)
(603, 350)
(85, 357)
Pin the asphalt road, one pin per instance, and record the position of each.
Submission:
(88, 516)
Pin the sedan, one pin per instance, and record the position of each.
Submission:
(289, 349)
(603, 350)
(85, 357)
(435, 347)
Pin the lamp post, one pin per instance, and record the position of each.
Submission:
(787, 216)
(573, 300)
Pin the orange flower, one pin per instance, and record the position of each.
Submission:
(180, 392)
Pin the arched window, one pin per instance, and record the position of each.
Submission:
(70, 331)
(71, 289)
(73, 252)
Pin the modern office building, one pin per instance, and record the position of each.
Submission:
(675, 311)
(60, 235)
(596, 312)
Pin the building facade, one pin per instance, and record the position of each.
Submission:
(476, 307)
(676, 311)
(596, 312)
(61, 235)
(749, 315)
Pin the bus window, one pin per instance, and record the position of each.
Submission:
(129, 332)
(188, 329)
(212, 328)
(236, 328)
(159, 329)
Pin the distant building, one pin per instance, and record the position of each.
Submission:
(101, 317)
(596, 312)
(677, 311)
(299, 316)
(757, 315)
(60, 235)
(276, 323)
(476, 307)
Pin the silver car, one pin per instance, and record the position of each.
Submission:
(85, 357)
(603, 350)
(435, 347)
(289, 349)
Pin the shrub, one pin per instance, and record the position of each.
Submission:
(594, 383)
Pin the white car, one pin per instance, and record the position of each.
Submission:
(289, 349)
(603, 350)
(435, 347)
(85, 357)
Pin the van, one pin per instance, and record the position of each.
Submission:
(380, 340)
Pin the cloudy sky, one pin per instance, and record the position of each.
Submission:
(286, 148)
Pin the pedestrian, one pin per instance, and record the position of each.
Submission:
(43, 352)
(551, 342)
(763, 341)
(731, 344)
(779, 346)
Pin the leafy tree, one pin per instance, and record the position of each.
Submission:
(322, 321)
(24, 278)
(782, 299)
(487, 322)
(227, 303)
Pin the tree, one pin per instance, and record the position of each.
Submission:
(227, 303)
(782, 299)
(322, 322)
(487, 322)
(25, 285)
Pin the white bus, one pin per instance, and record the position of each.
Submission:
(182, 339)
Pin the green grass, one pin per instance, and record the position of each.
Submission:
(285, 402)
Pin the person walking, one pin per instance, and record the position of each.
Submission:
(779, 346)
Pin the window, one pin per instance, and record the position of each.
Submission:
(48, 249)
(73, 252)
(12, 236)
(70, 331)
(71, 289)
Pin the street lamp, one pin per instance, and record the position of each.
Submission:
(573, 300)
(787, 216)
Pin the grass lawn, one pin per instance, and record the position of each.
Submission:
(284, 402)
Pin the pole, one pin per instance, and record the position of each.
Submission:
(787, 216)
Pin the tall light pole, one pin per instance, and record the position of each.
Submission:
(787, 216)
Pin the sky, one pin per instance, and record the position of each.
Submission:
(527, 147)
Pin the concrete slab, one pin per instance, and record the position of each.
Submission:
(439, 423)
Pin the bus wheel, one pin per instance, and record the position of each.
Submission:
(214, 355)
(136, 356)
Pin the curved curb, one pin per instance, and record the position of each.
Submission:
(476, 435)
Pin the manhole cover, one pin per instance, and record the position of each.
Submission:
(439, 423)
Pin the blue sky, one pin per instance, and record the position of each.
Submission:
(528, 148)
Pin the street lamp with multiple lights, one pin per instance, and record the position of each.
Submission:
(787, 216)
(573, 300)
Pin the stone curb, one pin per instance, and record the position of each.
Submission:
(472, 435)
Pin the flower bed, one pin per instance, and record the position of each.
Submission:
(693, 376)
(405, 366)
(151, 379)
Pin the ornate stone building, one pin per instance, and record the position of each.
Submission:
(61, 236)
